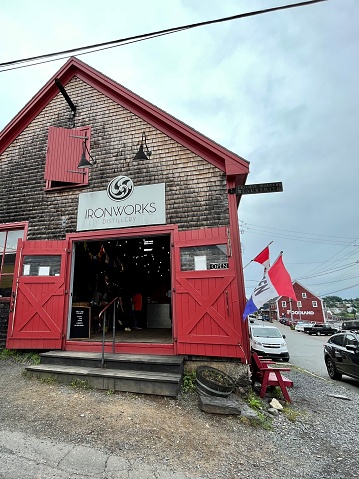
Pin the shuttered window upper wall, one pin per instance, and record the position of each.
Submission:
(63, 155)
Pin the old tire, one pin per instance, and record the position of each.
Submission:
(213, 382)
(332, 370)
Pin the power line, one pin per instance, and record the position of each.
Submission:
(244, 223)
(329, 271)
(338, 280)
(296, 238)
(336, 254)
(145, 36)
(338, 290)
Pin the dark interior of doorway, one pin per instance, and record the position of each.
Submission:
(128, 266)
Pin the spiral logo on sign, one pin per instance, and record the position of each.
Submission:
(120, 188)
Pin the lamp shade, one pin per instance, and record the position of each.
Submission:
(84, 163)
(141, 155)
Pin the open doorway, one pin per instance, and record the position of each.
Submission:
(125, 267)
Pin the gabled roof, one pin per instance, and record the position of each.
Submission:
(219, 156)
(304, 287)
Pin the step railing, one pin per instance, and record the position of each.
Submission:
(103, 314)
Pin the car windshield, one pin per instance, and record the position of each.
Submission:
(266, 332)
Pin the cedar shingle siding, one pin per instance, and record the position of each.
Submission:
(195, 189)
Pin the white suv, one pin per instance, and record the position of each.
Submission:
(268, 341)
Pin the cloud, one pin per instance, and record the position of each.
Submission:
(278, 89)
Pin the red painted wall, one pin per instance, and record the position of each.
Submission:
(307, 310)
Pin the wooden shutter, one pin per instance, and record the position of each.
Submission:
(64, 154)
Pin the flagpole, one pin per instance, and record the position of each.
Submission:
(251, 261)
(280, 254)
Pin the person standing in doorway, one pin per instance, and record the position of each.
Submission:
(136, 310)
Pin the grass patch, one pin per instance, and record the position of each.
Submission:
(290, 413)
(276, 392)
(255, 402)
(262, 419)
(26, 374)
(46, 379)
(19, 356)
(80, 384)
(189, 381)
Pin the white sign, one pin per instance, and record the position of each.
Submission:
(200, 263)
(145, 205)
(44, 270)
(26, 270)
(300, 312)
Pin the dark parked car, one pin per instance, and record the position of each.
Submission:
(341, 354)
(352, 325)
(320, 328)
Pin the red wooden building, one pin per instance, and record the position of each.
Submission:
(151, 210)
(309, 307)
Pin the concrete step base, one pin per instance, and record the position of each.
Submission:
(133, 362)
(142, 382)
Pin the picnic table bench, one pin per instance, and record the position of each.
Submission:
(264, 373)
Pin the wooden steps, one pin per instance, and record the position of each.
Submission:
(144, 374)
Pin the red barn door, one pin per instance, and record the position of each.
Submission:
(206, 295)
(37, 304)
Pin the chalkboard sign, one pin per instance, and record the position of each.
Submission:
(80, 322)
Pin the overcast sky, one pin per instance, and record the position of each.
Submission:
(279, 89)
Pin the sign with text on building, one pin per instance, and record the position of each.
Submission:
(122, 205)
(259, 188)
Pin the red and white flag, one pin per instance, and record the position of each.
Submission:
(276, 282)
(263, 258)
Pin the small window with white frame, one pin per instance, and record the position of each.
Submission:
(299, 304)
(304, 295)
(315, 304)
(284, 304)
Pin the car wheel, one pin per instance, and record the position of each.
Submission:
(332, 370)
(318, 333)
(286, 360)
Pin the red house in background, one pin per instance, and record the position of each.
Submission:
(307, 307)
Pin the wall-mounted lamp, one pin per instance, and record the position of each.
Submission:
(141, 155)
(84, 162)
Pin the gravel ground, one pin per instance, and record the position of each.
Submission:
(319, 440)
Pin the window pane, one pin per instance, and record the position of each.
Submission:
(10, 248)
(337, 339)
(41, 266)
(2, 241)
(350, 339)
(200, 258)
(5, 285)
(2, 245)
(11, 242)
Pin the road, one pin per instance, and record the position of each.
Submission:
(306, 352)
